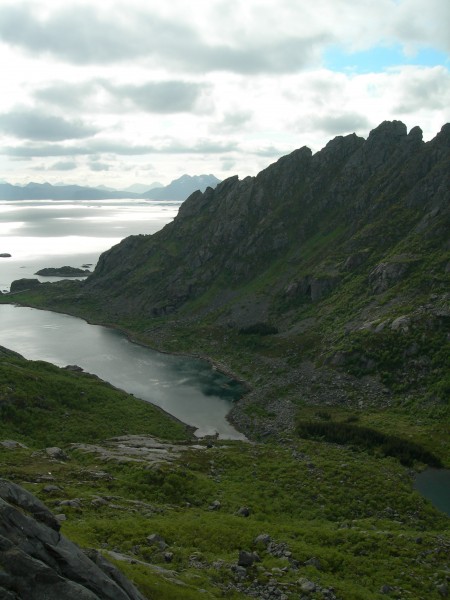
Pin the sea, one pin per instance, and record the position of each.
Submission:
(56, 233)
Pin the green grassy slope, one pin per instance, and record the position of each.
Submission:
(339, 518)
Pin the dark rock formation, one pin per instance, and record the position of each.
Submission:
(5, 255)
(20, 285)
(247, 559)
(327, 249)
(63, 272)
(38, 563)
(354, 200)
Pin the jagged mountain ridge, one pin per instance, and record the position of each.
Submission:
(367, 196)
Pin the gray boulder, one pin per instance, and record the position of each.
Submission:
(38, 563)
(56, 453)
(387, 274)
(246, 559)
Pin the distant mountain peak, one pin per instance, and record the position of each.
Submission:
(183, 187)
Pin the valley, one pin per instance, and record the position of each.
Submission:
(323, 283)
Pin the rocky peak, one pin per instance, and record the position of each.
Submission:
(234, 232)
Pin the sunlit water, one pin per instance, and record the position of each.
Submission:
(56, 233)
(41, 234)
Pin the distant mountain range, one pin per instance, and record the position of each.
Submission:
(178, 189)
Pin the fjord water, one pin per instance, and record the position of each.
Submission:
(187, 388)
(54, 233)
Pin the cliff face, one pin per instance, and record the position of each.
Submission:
(309, 218)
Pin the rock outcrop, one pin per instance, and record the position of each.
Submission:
(21, 285)
(316, 246)
(38, 563)
(63, 272)
(351, 203)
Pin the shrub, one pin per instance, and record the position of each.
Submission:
(368, 439)
(259, 329)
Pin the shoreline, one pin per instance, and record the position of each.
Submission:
(216, 365)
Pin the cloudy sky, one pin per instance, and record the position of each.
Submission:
(124, 91)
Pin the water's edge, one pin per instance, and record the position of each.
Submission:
(130, 336)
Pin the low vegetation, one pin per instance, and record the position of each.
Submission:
(340, 517)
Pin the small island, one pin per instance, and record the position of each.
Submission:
(5, 255)
(63, 272)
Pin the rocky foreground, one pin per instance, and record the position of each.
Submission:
(38, 563)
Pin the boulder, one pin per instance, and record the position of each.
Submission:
(215, 505)
(244, 511)
(155, 539)
(314, 562)
(387, 274)
(11, 444)
(306, 585)
(401, 324)
(263, 539)
(247, 559)
(38, 563)
(56, 453)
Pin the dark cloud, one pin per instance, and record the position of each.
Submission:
(95, 147)
(64, 165)
(161, 96)
(428, 90)
(201, 147)
(68, 95)
(88, 35)
(228, 164)
(99, 166)
(340, 123)
(156, 96)
(36, 125)
(270, 152)
(116, 148)
(235, 120)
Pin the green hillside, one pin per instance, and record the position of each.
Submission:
(305, 519)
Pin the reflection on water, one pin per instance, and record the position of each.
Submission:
(55, 233)
(189, 389)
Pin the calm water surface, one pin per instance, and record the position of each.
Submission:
(50, 233)
(55, 233)
(189, 389)
(434, 484)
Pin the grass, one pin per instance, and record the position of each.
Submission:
(355, 512)
(42, 404)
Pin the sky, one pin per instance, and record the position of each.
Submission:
(120, 92)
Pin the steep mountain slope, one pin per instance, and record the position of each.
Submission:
(313, 218)
(341, 258)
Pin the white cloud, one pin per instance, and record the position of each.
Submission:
(211, 86)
